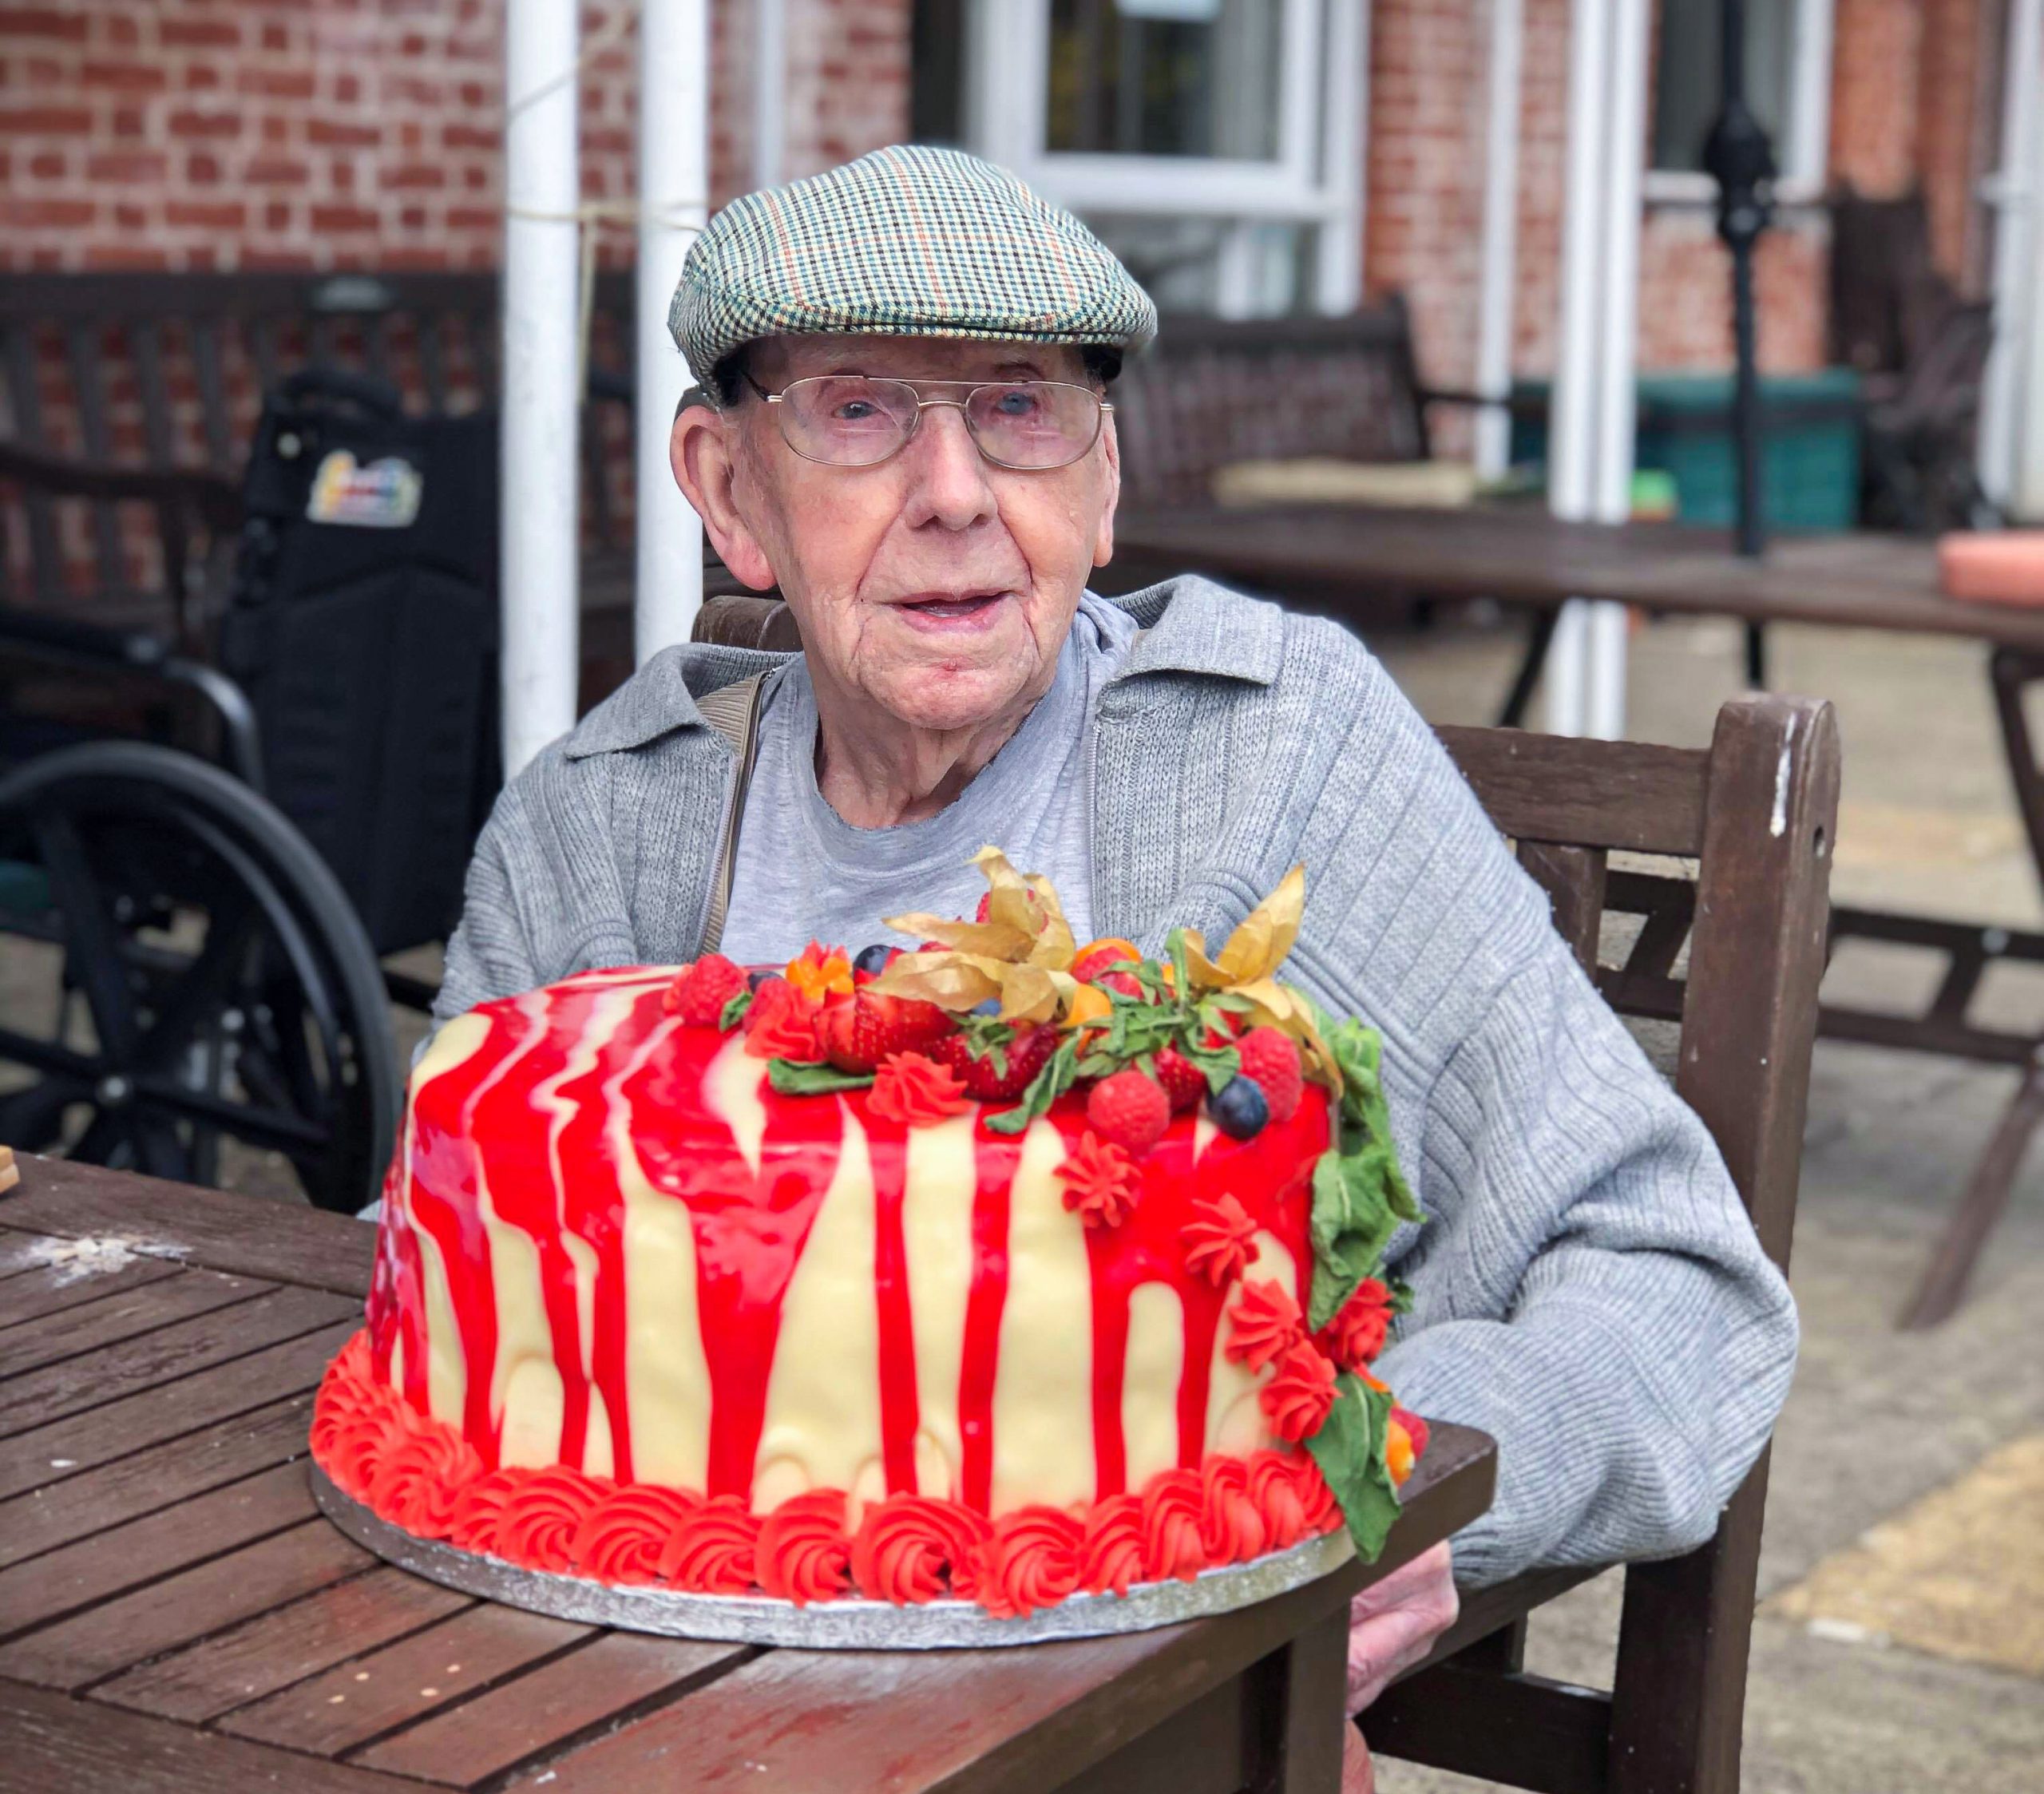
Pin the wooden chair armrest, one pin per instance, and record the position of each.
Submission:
(211, 495)
(1519, 405)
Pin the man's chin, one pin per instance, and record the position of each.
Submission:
(945, 699)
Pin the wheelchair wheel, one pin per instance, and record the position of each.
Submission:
(183, 971)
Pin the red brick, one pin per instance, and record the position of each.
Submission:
(122, 77)
(55, 215)
(46, 121)
(198, 33)
(130, 167)
(329, 131)
(48, 165)
(274, 171)
(335, 218)
(187, 123)
(202, 169)
(58, 24)
(277, 84)
(210, 215)
(420, 176)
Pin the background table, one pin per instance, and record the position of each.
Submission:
(175, 1615)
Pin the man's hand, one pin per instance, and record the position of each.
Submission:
(1394, 1624)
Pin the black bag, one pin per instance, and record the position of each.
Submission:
(364, 627)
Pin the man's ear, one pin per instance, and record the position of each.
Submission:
(1103, 537)
(703, 455)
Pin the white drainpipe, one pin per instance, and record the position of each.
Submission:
(2011, 192)
(1500, 237)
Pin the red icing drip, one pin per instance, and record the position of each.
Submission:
(900, 1408)
(994, 1158)
(802, 1554)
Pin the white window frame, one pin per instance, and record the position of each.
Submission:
(1804, 152)
(1316, 179)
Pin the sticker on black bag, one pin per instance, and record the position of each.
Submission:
(384, 495)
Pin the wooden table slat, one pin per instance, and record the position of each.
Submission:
(170, 1540)
(611, 1676)
(124, 1631)
(19, 1252)
(46, 1456)
(75, 1385)
(216, 1229)
(277, 1649)
(153, 1479)
(363, 1700)
(39, 1289)
(55, 1745)
(112, 1318)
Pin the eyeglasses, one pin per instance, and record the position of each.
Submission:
(852, 420)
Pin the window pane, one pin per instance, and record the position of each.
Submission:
(1687, 89)
(1145, 77)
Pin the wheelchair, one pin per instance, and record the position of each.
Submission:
(200, 875)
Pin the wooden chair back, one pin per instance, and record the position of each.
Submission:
(1757, 813)
(1212, 391)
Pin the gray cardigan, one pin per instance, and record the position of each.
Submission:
(1586, 1287)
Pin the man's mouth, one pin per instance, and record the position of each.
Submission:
(939, 608)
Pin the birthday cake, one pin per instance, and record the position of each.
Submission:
(1001, 1271)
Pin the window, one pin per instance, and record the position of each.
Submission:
(1788, 85)
(1215, 144)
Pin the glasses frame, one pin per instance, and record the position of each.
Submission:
(1103, 408)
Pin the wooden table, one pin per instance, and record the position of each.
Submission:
(1339, 559)
(175, 1615)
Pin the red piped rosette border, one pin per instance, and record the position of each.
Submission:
(419, 1475)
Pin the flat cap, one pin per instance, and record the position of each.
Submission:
(908, 241)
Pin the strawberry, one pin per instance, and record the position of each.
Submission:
(700, 991)
(1129, 1110)
(857, 1032)
(1183, 1082)
(1271, 1056)
(1098, 957)
(986, 905)
(1125, 982)
(1027, 1055)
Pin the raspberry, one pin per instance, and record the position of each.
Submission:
(700, 991)
(857, 1031)
(1129, 1111)
(1027, 1055)
(1183, 1082)
(1271, 1056)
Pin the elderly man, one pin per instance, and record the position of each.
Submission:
(904, 424)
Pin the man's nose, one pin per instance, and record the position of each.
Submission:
(949, 480)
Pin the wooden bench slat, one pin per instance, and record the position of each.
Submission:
(214, 1229)
(46, 556)
(172, 1539)
(1550, 788)
(93, 1644)
(43, 1288)
(76, 1385)
(432, 1670)
(121, 1314)
(613, 1676)
(55, 1743)
(151, 1480)
(46, 1456)
(208, 370)
(284, 1646)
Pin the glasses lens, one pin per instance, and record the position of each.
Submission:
(1034, 423)
(847, 419)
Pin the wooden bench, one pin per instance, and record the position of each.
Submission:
(1734, 954)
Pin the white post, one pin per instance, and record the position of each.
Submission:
(2012, 192)
(1500, 237)
(1618, 344)
(539, 533)
(674, 180)
(1571, 430)
(769, 90)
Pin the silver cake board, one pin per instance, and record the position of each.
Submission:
(850, 1624)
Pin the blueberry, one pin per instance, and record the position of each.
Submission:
(756, 979)
(872, 960)
(1241, 1110)
(991, 1007)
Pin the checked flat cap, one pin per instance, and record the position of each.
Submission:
(908, 241)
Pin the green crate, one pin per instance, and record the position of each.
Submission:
(1809, 453)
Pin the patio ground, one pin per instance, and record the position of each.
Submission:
(1878, 1421)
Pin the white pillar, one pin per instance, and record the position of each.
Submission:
(540, 530)
(1500, 237)
(2012, 190)
(770, 91)
(674, 183)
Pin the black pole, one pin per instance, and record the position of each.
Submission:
(1738, 155)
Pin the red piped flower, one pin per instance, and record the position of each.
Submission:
(1231, 1526)
(1274, 1488)
(1356, 1334)
(542, 1514)
(713, 1550)
(1297, 1399)
(1264, 1323)
(700, 991)
(1218, 1240)
(1101, 1182)
(1031, 1562)
(621, 1537)
(907, 1545)
(1323, 1512)
(420, 1478)
(913, 1089)
(781, 1023)
(477, 1509)
(803, 1553)
(1173, 1504)
(1112, 1557)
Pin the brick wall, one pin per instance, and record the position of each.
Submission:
(248, 133)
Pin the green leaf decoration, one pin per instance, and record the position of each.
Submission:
(1220, 1063)
(1360, 1195)
(734, 1011)
(1358, 1051)
(1044, 1089)
(1350, 1449)
(791, 1079)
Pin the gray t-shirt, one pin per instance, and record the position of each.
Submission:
(804, 873)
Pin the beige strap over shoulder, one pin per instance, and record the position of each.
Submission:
(733, 711)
